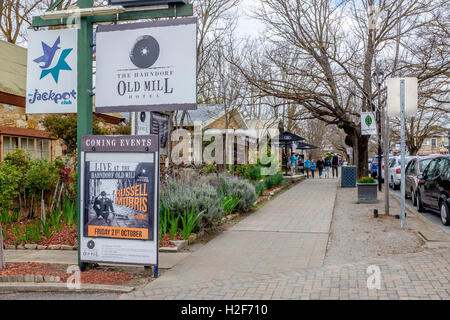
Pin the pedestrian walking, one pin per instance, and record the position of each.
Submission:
(307, 167)
(327, 164)
(334, 165)
(300, 164)
(293, 163)
(313, 168)
(320, 166)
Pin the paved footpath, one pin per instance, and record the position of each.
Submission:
(289, 233)
(278, 253)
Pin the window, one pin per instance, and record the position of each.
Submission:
(440, 167)
(393, 163)
(429, 170)
(423, 164)
(36, 148)
(411, 167)
(433, 143)
(10, 144)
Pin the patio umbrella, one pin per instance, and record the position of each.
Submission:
(285, 141)
(305, 146)
(287, 137)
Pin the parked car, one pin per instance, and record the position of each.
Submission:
(414, 168)
(374, 168)
(395, 173)
(433, 191)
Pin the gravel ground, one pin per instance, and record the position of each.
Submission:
(355, 233)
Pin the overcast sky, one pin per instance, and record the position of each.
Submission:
(248, 26)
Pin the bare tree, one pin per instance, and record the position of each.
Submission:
(215, 19)
(327, 56)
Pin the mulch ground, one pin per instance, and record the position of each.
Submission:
(92, 276)
(165, 242)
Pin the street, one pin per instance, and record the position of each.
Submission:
(433, 217)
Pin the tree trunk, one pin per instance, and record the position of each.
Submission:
(413, 150)
(360, 145)
(42, 207)
(363, 156)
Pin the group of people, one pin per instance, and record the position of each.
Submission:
(323, 165)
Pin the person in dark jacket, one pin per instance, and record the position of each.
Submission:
(327, 164)
(334, 165)
(102, 207)
(320, 165)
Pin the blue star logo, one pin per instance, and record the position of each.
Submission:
(47, 59)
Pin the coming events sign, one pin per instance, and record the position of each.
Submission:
(148, 66)
(120, 199)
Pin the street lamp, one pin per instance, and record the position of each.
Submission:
(379, 76)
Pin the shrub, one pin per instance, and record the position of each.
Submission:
(229, 204)
(238, 188)
(260, 187)
(9, 177)
(189, 222)
(180, 198)
(274, 180)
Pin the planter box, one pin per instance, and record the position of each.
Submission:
(348, 176)
(367, 192)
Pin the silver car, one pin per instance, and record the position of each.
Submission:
(414, 168)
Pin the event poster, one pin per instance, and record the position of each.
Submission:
(120, 200)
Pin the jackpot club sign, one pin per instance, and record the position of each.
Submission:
(52, 71)
(149, 66)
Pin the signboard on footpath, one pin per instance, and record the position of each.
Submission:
(148, 66)
(120, 181)
(52, 71)
(154, 123)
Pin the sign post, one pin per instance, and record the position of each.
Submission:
(85, 19)
(402, 102)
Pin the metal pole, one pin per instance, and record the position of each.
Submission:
(386, 164)
(380, 152)
(402, 119)
(84, 105)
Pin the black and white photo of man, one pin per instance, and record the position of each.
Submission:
(103, 206)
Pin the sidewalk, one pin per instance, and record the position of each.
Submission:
(167, 260)
(290, 232)
(278, 254)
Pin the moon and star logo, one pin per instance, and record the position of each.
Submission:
(145, 52)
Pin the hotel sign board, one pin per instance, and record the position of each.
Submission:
(148, 66)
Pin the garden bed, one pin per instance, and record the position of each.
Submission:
(67, 236)
(45, 272)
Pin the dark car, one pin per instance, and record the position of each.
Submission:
(415, 168)
(433, 191)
